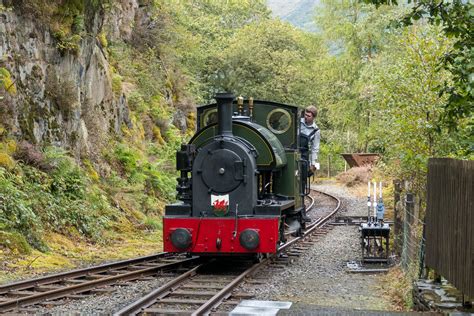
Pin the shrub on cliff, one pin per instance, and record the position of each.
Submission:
(31, 155)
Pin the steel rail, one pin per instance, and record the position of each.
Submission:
(22, 285)
(88, 285)
(323, 221)
(148, 300)
(319, 223)
(226, 291)
(151, 297)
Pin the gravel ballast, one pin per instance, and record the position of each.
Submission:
(320, 276)
(317, 279)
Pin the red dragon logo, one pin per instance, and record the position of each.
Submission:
(221, 207)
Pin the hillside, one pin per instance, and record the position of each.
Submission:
(299, 12)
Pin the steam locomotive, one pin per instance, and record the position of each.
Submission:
(240, 188)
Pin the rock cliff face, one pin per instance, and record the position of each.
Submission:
(63, 98)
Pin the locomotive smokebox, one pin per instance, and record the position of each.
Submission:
(224, 113)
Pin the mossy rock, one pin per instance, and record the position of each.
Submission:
(157, 135)
(6, 161)
(91, 171)
(6, 81)
(116, 84)
(102, 39)
(14, 242)
(11, 146)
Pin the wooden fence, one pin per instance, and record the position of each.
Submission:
(450, 222)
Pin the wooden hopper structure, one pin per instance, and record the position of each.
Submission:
(361, 159)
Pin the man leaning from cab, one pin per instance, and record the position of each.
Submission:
(310, 137)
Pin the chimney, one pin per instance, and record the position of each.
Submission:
(224, 113)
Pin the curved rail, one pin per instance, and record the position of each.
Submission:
(56, 289)
(317, 224)
(25, 284)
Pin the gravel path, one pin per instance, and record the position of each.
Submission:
(319, 278)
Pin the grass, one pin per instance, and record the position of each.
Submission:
(397, 287)
(66, 254)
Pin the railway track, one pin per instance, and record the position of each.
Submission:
(197, 291)
(23, 295)
(201, 291)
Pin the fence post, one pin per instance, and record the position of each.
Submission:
(414, 218)
(422, 269)
(397, 217)
(329, 166)
(408, 214)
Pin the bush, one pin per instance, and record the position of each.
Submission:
(103, 39)
(68, 43)
(6, 81)
(14, 242)
(68, 178)
(153, 223)
(6, 161)
(128, 158)
(355, 176)
(16, 211)
(116, 84)
(63, 200)
(30, 155)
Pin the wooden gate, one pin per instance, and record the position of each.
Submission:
(450, 221)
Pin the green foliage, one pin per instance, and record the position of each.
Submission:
(16, 209)
(116, 84)
(14, 241)
(68, 43)
(128, 158)
(269, 60)
(159, 110)
(355, 34)
(63, 201)
(103, 39)
(67, 178)
(143, 69)
(151, 177)
(381, 92)
(136, 102)
(6, 82)
(205, 29)
(153, 223)
(457, 21)
(6, 161)
(404, 83)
